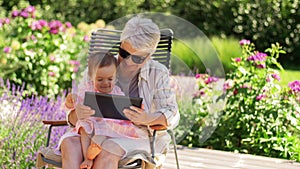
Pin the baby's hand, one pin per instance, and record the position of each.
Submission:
(70, 101)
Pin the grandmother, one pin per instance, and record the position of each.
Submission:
(139, 76)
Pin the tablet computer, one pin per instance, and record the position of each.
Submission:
(110, 106)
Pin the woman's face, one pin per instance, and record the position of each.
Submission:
(104, 78)
(129, 64)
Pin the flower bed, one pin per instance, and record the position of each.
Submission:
(260, 117)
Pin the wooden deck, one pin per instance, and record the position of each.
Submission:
(199, 158)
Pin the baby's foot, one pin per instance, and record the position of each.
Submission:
(88, 164)
(93, 151)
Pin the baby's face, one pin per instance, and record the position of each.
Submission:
(104, 79)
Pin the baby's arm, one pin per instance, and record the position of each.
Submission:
(70, 101)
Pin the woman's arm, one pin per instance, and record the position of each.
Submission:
(140, 117)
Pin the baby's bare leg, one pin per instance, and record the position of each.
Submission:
(95, 148)
(85, 142)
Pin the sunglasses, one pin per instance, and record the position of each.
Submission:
(135, 58)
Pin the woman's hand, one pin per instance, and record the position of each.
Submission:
(83, 111)
(138, 116)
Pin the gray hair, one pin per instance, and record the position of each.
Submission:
(141, 33)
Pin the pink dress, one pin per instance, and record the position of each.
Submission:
(105, 126)
(112, 128)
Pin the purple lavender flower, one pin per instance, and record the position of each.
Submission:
(20, 120)
(244, 42)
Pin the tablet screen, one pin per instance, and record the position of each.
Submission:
(110, 106)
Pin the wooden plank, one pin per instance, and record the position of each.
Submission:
(192, 158)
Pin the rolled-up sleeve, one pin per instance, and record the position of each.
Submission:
(164, 99)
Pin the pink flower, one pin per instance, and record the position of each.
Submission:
(7, 49)
(52, 58)
(33, 38)
(55, 26)
(261, 66)
(228, 84)
(24, 14)
(36, 26)
(43, 22)
(53, 31)
(198, 76)
(295, 86)
(258, 57)
(6, 20)
(211, 80)
(86, 38)
(260, 96)
(15, 13)
(74, 62)
(30, 9)
(237, 59)
(276, 76)
(68, 25)
(75, 69)
(199, 93)
(52, 74)
(244, 42)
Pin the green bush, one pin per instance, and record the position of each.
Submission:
(41, 53)
(260, 117)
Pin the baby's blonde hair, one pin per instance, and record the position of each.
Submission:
(100, 59)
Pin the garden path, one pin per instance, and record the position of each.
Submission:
(200, 158)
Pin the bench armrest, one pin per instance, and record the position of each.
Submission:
(55, 122)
